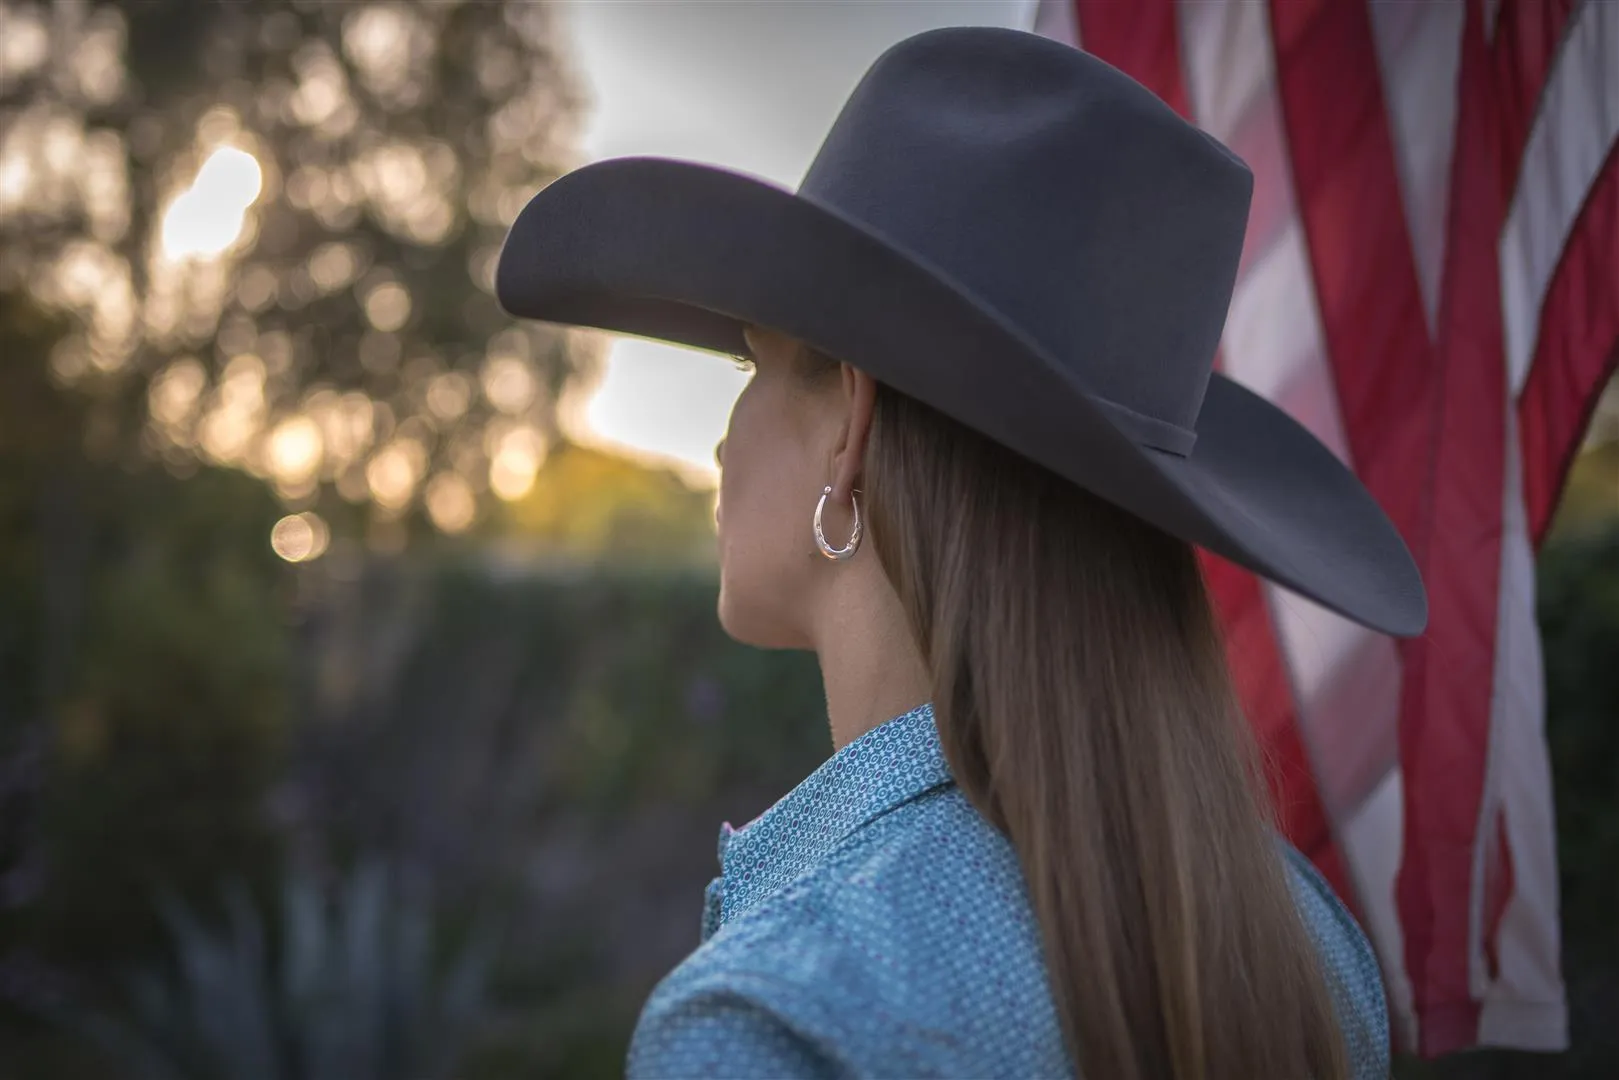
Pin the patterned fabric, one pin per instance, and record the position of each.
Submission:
(872, 923)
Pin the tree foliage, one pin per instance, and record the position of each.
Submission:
(276, 223)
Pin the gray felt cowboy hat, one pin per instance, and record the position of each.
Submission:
(1027, 240)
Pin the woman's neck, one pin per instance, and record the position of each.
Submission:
(870, 666)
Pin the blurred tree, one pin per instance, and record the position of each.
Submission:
(277, 222)
(1591, 497)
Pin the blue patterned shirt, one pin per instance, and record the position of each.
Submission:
(873, 923)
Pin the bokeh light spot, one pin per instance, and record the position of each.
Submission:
(388, 306)
(515, 462)
(509, 384)
(174, 392)
(332, 266)
(300, 537)
(24, 44)
(448, 395)
(450, 502)
(394, 472)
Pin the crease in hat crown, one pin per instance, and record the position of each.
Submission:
(978, 150)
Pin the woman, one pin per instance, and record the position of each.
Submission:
(980, 442)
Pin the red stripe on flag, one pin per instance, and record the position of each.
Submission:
(1450, 671)
(1347, 189)
(1577, 350)
(1428, 446)
(1528, 34)
(1140, 39)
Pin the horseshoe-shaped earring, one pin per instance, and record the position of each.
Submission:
(837, 554)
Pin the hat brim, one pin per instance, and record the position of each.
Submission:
(690, 253)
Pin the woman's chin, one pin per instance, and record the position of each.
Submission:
(749, 626)
(735, 626)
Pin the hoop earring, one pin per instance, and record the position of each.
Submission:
(837, 554)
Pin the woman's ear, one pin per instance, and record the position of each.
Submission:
(860, 392)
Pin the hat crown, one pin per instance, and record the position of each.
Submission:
(1063, 195)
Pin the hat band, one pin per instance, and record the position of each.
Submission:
(1148, 430)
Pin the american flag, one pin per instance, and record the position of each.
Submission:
(1430, 284)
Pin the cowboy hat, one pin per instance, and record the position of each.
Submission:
(1027, 240)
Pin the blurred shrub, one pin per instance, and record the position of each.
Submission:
(605, 688)
(566, 740)
(555, 737)
(347, 989)
(144, 671)
(1579, 619)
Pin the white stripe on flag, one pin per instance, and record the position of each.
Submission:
(1057, 19)
(1272, 337)
(1225, 50)
(1576, 126)
(1524, 1006)
(1375, 832)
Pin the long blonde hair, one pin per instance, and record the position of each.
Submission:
(1081, 694)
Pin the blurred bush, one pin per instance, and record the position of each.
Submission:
(550, 736)
(565, 740)
(144, 681)
(1579, 618)
(246, 257)
(349, 987)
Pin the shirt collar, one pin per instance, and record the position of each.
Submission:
(891, 764)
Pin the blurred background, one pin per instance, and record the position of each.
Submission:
(363, 710)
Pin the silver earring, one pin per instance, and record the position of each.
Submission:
(854, 534)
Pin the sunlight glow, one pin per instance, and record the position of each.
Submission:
(295, 450)
(663, 404)
(207, 218)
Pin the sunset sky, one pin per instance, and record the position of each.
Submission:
(752, 86)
